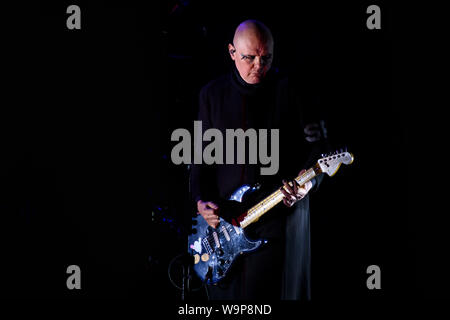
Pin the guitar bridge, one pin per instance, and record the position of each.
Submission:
(207, 245)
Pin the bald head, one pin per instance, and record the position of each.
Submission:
(252, 50)
(252, 30)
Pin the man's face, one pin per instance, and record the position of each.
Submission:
(253, 58)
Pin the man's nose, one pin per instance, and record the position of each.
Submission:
(259, 63)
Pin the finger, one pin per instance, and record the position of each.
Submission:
(206, 215)
(209, 212)
(212, 216)
(301, 192)
(216, 218)
(287, 202)
(295, 186)
(213, 222)
(302, 172)
(288, 195)
(285, 193)
(212, 205)
(212, 219)
(288, 187)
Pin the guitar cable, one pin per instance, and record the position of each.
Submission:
(182, 256)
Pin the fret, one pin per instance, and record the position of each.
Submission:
(273, 199)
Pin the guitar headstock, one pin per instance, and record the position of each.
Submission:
(330, 163)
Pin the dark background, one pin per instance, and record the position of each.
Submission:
(86, 176)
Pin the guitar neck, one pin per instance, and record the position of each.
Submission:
(256, 212)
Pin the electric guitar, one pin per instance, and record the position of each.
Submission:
(215, 249)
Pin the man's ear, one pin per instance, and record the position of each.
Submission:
(231, 50)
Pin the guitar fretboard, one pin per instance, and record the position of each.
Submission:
(273, 199)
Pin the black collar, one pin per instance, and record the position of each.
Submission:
(244, 87)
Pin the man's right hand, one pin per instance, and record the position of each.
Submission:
(208, 211)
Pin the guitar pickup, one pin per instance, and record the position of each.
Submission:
(216, 239)
(225, 233)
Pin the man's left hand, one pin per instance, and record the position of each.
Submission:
(296, 192)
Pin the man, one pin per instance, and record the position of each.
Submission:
(252, 96)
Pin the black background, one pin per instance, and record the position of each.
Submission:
(86, 175)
